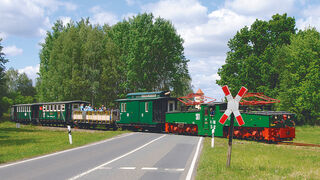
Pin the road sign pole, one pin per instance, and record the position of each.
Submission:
(230, 140)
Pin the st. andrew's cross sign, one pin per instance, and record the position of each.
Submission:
(233, 107)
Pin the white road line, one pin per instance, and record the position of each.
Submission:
(60, 152)
(171, 169)
(127, 167)
(89, 171)
(149, 168)
(189, 175)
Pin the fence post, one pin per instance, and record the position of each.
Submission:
(69, 132)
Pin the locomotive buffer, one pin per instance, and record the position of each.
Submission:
(233, 110)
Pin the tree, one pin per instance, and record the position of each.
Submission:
(252, 60)
(300, 80)
(19, 89)
(152, 55)
(17, 82)
(3, 88)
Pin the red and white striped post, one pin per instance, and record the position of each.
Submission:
(233, 110)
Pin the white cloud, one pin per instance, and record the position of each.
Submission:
(28, 17)
(102, 17)
(204, 75)
(31, 72)
(308, 22)
(128, 15)
(69, 6)
(65, 20)
(12, 51)
(311, 18)
(180, 12)
(130, 2)
(2, 35)
(211, 37)
(260, 8)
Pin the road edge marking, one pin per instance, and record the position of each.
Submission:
(127, 168)
(115, 159)
(189, 175)
(68, 150)
(149, 168)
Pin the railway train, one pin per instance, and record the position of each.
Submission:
(158, 112)
(63, 113)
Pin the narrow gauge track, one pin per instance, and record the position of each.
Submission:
(299, 144)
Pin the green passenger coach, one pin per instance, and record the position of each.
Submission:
(51, 113)
(145, 110)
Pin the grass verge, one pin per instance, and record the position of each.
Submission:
(307, 134)
(254, 160)
(30, 141)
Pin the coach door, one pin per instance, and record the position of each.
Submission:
(206, 118)
(35, 113)
(134, 111)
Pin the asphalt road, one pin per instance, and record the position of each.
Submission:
(131, 156)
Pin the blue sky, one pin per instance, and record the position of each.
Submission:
(205, 25)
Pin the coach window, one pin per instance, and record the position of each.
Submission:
(55, 107)
(58, 107)
(62, 107)
(46, 107)
(124, 107)
(146, 106)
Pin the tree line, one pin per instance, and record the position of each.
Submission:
(274, 58)
(103, 63)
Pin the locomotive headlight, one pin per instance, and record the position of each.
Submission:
(288, 117)
(275, 117)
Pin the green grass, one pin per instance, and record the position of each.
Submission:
(254, 160)
(30, 141)
(308, 134)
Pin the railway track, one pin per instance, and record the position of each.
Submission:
(299, 144)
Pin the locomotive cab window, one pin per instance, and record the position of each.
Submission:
(171, 106)
(58, 106)
(62, 107)
(53, 107)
